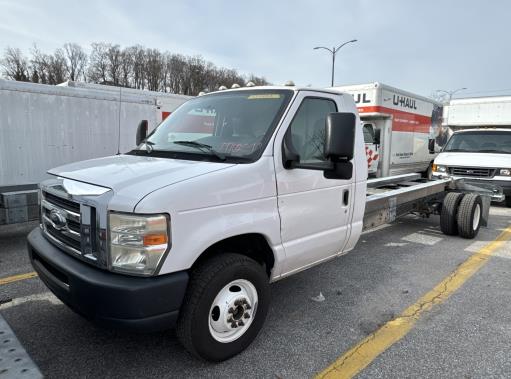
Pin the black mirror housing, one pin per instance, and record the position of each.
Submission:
(377, 136)
(431, 146)
(340, 136)
(142, 130)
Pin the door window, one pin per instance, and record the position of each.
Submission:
(308, 129)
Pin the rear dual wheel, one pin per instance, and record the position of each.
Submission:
(461, 214)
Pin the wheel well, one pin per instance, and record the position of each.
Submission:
(252, 245)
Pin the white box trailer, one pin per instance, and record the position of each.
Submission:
(42, 126)
(403, 131)
(494, 111)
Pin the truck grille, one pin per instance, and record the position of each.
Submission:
(61, 219)
(475, 172)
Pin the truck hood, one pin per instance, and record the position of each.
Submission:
(135, 176)
(488, 160)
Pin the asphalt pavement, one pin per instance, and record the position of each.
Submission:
(467, 336)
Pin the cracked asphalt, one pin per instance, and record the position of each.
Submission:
(468, 335)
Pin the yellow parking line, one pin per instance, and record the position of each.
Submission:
(15, 278)
(362, 354)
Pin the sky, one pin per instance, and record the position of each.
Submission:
(419, 46)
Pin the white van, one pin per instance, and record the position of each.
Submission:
(482, 155)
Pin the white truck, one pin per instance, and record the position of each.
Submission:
(481, 156)
(233, 191)
(403, 131)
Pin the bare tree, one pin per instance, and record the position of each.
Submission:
(134, 66)
(15, 65)
(114, 57)
(127, 62)
(76, 61)
(154, 69)
(98, 63)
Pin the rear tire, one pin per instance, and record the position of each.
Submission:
(508, 201)
(449, 213)
(469, 215)
(209, 326)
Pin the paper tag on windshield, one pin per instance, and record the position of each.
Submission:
(264, 96)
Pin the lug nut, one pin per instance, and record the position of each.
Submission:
(246, 315)
(231, 310)
(233, 325)
(237, 302)
(241, 323)
(230, 319)
(247, 306)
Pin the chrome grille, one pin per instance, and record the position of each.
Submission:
(475, 172)
(61, 222)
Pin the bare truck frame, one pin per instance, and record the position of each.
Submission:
(393, 197)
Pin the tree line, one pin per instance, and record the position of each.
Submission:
(132, 67)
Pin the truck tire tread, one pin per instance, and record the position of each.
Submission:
(448, 215)
(466, 215)
(201, 278)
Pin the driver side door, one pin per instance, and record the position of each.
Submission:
(314, 211)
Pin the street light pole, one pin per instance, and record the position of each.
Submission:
(451, 93)
(334, 51)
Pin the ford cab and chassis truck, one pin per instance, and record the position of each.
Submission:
(236, 189)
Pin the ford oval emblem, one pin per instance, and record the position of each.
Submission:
(58, 219)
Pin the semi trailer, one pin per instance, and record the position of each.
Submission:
(235, 190)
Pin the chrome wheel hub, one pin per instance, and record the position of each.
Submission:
(233, 311)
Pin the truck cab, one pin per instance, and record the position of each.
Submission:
(479, 155)
(232, 191)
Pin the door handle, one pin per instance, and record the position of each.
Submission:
(345, 197)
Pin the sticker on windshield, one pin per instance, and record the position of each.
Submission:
(264, 96)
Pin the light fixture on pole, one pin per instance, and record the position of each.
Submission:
(334, 51)
(451, 93)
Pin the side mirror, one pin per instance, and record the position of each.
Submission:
(340, 136)
(142, 131)
(377, 136)
(431, 146)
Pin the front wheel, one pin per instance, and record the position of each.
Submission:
(225, 307)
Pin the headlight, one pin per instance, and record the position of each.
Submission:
(505, 172)
(439, 168)
(137, 243)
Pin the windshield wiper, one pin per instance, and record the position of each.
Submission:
(149, 146)
(201, 146)
(493, 151)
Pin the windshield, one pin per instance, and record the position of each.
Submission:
(230, 126)
(481, 142)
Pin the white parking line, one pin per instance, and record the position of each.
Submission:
(45, 296)
(423, 239)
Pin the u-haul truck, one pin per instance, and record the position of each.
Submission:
(403, 132)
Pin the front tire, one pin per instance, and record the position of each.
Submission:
(224, 308)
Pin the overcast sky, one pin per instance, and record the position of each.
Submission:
(419, 46)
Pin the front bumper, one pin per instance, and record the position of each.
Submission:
(146, 304)
(504, 186)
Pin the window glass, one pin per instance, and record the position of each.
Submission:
(235, 124)
(368, 133)
(308, 129)
(483, 141)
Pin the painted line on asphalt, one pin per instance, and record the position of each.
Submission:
(361, 355)
(16, 278)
